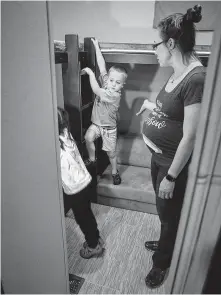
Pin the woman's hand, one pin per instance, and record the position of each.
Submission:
(144, 106)
(166, 189)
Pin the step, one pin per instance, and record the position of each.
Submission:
(135, 191)
(131, 150)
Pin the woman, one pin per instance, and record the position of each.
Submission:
(170, 130)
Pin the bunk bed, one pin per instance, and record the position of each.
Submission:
(125, 52)
(135, 191)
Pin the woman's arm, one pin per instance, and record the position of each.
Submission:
(184, 150)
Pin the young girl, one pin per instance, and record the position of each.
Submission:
(76, 188)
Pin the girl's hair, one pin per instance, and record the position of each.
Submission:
(63, 123)
(181, 28)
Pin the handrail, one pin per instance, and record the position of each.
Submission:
(137, 51)
(128, 48)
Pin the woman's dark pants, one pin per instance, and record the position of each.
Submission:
(81, 206)
(169, 211)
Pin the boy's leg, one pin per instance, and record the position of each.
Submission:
(113, 161)
(90, 136)
(109, 138)
(115, 173)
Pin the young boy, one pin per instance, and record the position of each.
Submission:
(105, 110)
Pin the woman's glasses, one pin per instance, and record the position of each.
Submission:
(155, 45)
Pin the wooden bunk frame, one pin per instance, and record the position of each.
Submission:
(125, 52)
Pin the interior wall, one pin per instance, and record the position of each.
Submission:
(110, 21)
(33, 233)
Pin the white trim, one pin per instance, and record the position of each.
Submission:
(57, 145)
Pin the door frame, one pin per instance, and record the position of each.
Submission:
(57, 144)
(195, 239)
(200, 225)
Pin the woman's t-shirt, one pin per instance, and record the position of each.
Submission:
(164, 125)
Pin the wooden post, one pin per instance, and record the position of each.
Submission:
(91, 55)
(71, 77)
(71, 85)
(102, 159)
(90, 61)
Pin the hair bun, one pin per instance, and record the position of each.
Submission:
(194, 14)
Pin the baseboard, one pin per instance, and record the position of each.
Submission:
(127, 204)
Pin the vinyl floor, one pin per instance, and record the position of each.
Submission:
(125, 262)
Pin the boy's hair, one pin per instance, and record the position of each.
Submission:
(63, 122)
(119, 69)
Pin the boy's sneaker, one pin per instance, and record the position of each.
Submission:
(100, 241)
(116, 178)
(87, 252)
(89, 162)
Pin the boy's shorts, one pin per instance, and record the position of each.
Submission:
(109, 137)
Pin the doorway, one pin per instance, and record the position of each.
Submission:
(200, 213)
